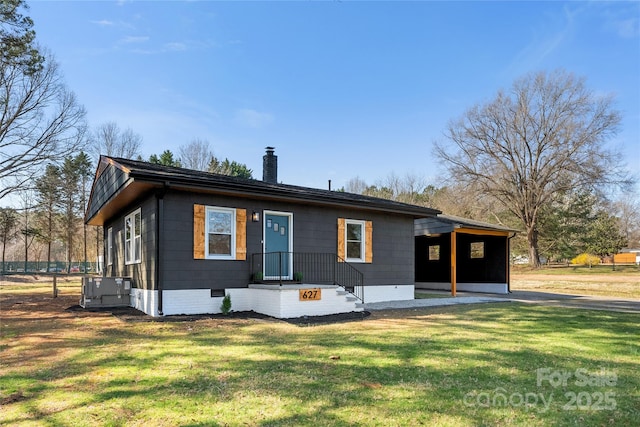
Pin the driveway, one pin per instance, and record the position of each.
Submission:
(625, 305)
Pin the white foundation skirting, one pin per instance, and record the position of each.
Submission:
(388, 293)
(190, 301)
(273, 300)
(145, 301)
(489, 288)
(284, 302)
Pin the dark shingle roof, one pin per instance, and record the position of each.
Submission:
(173, 177)
(447, 223)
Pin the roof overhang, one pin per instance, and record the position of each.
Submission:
(143, 178)
(445, 224)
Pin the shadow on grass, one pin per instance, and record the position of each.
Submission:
(400, 367)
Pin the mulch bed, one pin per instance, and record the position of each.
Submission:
(130, 314)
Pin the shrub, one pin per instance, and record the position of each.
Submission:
(226, 305)
(586, 259)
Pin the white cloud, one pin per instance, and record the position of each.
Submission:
(546, 40)
(103, 23)
(625, 28)
(134, 39)
(253, 118)
(175, 46)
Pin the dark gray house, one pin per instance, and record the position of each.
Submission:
(460, 254)
(188, 238)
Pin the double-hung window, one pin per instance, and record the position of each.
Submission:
(355, 240)
(133, 237)
(220, 233)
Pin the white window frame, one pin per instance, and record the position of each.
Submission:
(363, 236)
(232, 212)
(135, 241)
(110, 246)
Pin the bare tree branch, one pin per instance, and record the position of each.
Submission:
(109, 140)
(545, 137)
(41, 123)
(195, 155)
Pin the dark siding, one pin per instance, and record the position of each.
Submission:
(315, 230)
(104, 187)
(433, 271)
(143, 273)
(490, 269)
(180, 270)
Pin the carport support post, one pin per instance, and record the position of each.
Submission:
(453, 263)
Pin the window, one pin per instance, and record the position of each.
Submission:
(110, 246)
(220, 233)
(477, 250)
(434, 253)
(355, 240)
(133, 237)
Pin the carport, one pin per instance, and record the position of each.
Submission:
(458, 254)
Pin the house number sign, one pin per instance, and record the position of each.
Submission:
(314, 294)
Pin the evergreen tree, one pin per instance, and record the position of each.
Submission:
(69, 203)
(563, 223)
(8, 224)
(17, 37)
(603, 236)
(230, 168)
(48, 199)
(165, 159)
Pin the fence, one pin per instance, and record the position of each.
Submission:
(14, 267)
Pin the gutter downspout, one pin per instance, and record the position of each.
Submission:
(454, 266)
(509, 262)
(159, 244)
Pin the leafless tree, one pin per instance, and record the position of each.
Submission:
(407, 189)
(41, 122)
(543, 137)
(110, 140)
(356, 186)
(195, 155)
(628, 212)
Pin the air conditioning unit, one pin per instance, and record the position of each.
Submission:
(105, 292)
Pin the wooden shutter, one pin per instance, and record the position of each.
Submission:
(368, 241)
(198, 231)
(241, 234)
(341, 235)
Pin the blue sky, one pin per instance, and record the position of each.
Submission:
(341, 89)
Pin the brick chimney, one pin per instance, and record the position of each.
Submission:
(270, 166)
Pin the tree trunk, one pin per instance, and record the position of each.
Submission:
(48, 255)
(534, 254)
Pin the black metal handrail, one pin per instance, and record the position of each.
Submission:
(308, 267)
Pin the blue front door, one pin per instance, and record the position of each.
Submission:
(277, 241)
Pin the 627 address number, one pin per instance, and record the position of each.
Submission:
(314, 294)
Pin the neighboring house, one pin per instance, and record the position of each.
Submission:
(627, 256)
(459, 254)
(187, 238)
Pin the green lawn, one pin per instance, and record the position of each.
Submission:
(446, 366)
(608, 269)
